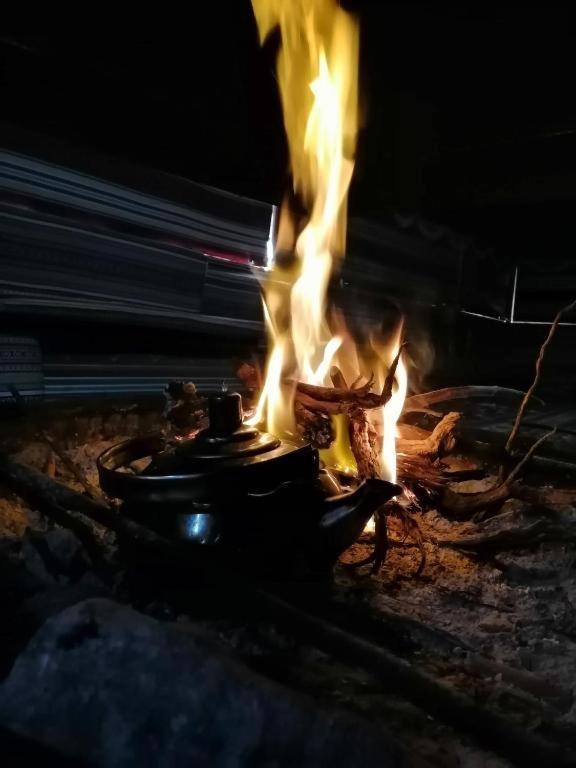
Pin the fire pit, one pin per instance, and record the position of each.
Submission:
(465, 627)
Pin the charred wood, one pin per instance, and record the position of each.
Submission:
(422, 689)
(560, 698)
(342, 400)
(42, 492)
(517, 537)
(53, 500)
(314, 426)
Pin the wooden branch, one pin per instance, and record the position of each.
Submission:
(314, 426)
(49, 497)
(540, 688)
(325, 406)
(39, 490)
(413, 530)
(438, 443)
(352, 399)
(363, 442)
(333, 394)
(519, 537)
(380, 549)
(412, 432)
(425, 400)
(464, 505)
(343, 400)
(53, 500)
(549, 498)
(338, 379)
(539, 360)
(420, 470)
(422, 689)
(532, 450)
(398, 631)
(391, 375)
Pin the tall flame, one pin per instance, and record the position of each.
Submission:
(390, 415)
(317, 74)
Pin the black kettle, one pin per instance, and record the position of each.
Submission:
(235, 488)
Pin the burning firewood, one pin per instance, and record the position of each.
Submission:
(314, 426)
(337, 377)
(344, 400)
(363, 441)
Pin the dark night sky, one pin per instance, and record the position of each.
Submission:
(470, 109)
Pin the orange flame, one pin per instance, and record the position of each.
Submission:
(391, 413)
(317, 74)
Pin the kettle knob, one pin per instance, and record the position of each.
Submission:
(225, 414)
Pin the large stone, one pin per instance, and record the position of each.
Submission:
(103, 683)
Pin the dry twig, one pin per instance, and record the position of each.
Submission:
(337, 377)
(425, 400)
(539, 360)
(343, 400)
(464, 505)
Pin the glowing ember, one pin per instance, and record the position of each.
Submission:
(317, 74)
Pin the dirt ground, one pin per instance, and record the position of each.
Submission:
(516, 609)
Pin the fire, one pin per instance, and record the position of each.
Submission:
(390, 415)
(317, 74)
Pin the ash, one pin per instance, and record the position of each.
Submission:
(500, 628)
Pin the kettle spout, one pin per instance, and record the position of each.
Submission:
(344, 517)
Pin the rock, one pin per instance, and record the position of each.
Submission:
(34, 559)
(54, 556)
(103, 683)
(551, 647)
(43, 605)
(67, 551)
(17, 751)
